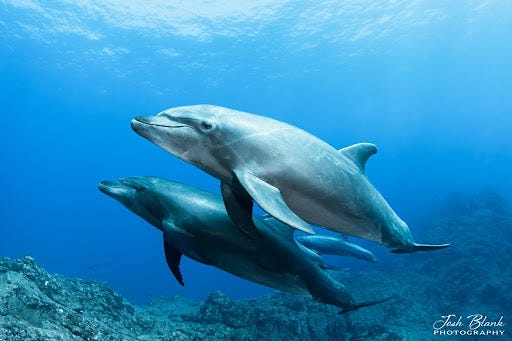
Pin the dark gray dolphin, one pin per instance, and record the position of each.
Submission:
(291, 174)
(195, 223)
(336, 245)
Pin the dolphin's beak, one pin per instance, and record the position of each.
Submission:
(145, 119)
(111, 187)
(158, 121)
(105, 185)
(141, 122)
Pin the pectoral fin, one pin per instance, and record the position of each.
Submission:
(270, 200)
(238, 205)
(173, 258)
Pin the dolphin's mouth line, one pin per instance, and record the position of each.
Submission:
(105, 188)
(162, 125)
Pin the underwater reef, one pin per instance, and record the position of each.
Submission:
(472, 276)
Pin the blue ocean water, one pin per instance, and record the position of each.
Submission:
(428, 82)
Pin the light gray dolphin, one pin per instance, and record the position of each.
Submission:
(291, 174)
(195, 223)
(336, 245)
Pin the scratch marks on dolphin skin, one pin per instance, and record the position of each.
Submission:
(258, 134)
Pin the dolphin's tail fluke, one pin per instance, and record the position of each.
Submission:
(420, 247)
(364, 304)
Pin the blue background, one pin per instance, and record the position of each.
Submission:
(428, 81)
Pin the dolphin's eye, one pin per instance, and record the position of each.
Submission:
(206, 126)
(134, 184)
(140, 188)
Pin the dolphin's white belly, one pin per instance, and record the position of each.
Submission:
(338, 199)
(335, 215)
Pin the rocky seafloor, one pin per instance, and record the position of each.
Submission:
(473, 276)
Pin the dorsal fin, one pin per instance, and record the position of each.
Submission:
(359, 153)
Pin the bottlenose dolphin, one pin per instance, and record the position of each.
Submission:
(291, 174)
(195, 223)
(335, 245)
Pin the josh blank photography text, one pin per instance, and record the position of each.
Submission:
(475, 324)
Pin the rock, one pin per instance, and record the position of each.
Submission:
(218, 308)
(471, 276)
(35, 305)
